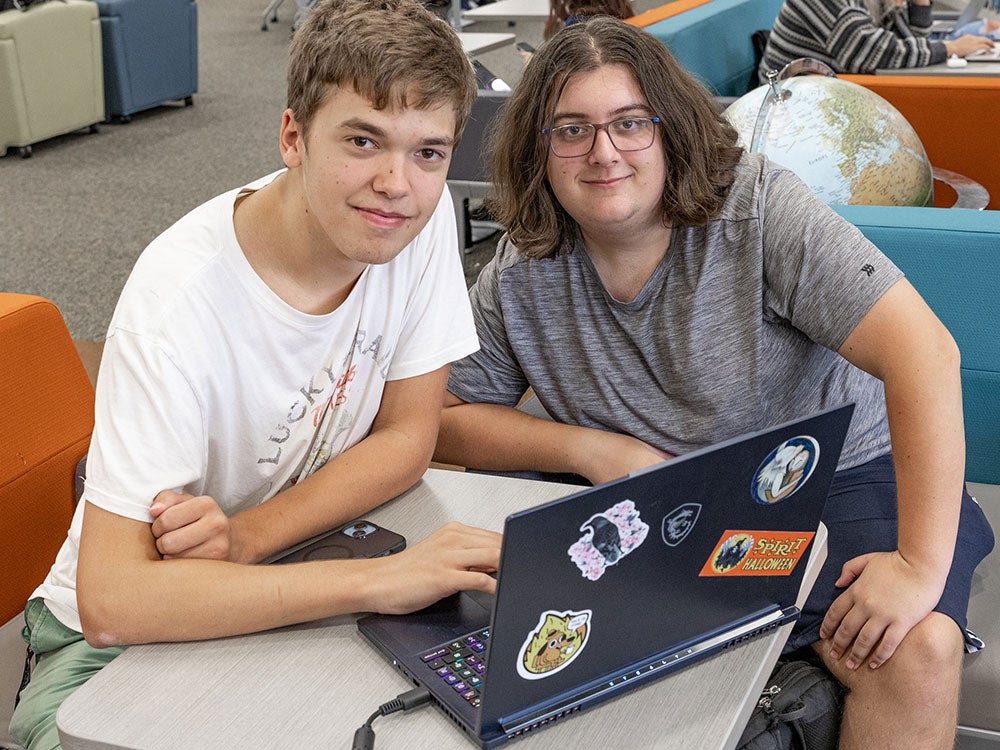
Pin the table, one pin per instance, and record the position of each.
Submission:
(312, 685)
(510, 10)
(974, 69)
(475, 43)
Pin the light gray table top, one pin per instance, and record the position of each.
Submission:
(475, 43)
(973, 69)
(312, 685)
(510, 10)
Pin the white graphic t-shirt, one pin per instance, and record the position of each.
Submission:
(212, 385)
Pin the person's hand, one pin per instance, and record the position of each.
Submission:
(887, 597)
(991, 26)
(454, 558)
(613, 455)
(966, 45)
(188, 526)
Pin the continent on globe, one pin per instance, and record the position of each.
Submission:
(848, 144)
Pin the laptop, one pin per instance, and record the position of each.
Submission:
(620, 584)
(992, 55)
(969, 14)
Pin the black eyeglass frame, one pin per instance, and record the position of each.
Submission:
(598, 127)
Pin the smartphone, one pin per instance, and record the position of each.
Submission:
(524, 47)
(357, 539)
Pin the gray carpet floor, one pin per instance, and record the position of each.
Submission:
(74, 216)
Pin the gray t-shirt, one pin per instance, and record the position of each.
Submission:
(736, 329)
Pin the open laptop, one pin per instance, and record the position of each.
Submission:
(620, 584)
(992, 55)
(968, 14)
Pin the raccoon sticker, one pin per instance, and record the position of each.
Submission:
(607, 538)
(555, 642)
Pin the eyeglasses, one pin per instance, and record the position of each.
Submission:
(578, 138)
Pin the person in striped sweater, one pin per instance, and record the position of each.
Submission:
(858, 36)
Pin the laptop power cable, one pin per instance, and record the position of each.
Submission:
(364, 737)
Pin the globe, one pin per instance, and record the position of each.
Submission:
(845, 142)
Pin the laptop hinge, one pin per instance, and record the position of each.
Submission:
(647, 671)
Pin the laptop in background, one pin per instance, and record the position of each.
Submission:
(620, 584)
(992, 55)
(968, 14)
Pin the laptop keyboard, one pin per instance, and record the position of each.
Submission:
(462, 664)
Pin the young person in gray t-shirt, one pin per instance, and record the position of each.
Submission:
(660, 290)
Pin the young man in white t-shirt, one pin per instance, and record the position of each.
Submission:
(275, 367)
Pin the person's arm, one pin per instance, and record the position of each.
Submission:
(501, 438)
(128, 594)
(901, 342)
(859, 45)
(346, 487)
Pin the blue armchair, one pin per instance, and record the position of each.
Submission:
(150, 53)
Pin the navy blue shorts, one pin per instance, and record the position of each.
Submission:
(860, 517)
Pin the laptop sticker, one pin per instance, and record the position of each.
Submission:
(677, 524)
(607, 538)
(557, 640)
(785, 470)
(757, 553)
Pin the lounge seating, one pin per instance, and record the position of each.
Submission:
(51, 81)
(150, 53)
(951, 259)
(46, 417)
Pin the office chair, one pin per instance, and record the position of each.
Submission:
(468, 175)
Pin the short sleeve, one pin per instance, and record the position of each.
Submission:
(148, 434)
(491, 375)
(438, 326)
(821, 273)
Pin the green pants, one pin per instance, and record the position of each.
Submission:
(64, 662)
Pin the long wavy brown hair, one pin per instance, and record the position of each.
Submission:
(699, 143)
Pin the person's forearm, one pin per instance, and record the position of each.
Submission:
(928, 441)
(124, 601)
(501, 438)
(348, 486)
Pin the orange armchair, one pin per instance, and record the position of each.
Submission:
(46, 417)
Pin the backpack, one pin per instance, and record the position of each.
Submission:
(799, 709)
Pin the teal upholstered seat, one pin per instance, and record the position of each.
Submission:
(952, 257)
(713, 41)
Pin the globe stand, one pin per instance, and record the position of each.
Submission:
(970, 193)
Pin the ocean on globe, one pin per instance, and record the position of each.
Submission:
(845, 142)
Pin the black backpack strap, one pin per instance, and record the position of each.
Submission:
(25, 676)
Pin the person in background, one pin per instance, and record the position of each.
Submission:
(567, 12)
(660, 290)
(275, 368)
(860, 36)
(983, 27)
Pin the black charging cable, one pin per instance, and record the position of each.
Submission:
(364, 737)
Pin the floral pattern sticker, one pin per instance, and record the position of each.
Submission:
(608, 537)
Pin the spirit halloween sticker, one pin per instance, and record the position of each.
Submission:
(757, 553)
(556, 641)
(607, 538)
(785, 470)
